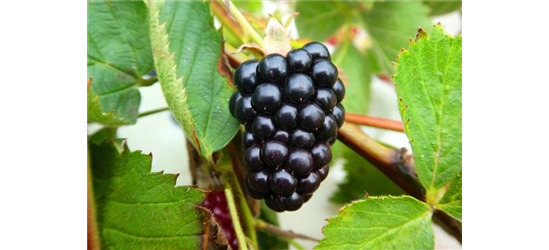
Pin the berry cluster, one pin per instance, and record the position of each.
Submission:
(291, 109)
(216, 202)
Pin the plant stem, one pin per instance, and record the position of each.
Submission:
(236, 182)
(234, 217)
(93, 237)
(397, 166)
(249, 219)
(154, 111)
(272, 229)
(374, 122)
(244, 25)
(394, 163)
(231, 25)
(146, 82)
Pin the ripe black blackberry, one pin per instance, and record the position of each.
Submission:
(291, 107)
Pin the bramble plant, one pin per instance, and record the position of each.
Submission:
(266, 114)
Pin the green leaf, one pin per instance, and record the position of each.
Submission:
(451, 201)
(119, 54)
(96, 114)
(137, 209)
(437, 8)
(428, 84)
(318, 20)
(187, 50)
(390, 24)
(380, 223)
(361, 178)
(356, 78)
(103, 134)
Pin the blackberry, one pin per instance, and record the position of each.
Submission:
(299, 89)
(302, 139)
(245, 78)
(266, 98)
(273, 68)
(291, 109)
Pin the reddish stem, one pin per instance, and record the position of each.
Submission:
(374, 122)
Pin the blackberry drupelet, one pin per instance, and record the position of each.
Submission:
(291, 107)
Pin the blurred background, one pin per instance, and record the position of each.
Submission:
(349, 178)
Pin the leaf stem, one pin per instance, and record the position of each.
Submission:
(147, 82)
(249, 219)
(274, 230)
(244, 25)
(93, 237)
(374, 122)
(234, 217)
(154, 111)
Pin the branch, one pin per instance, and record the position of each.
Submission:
(397, 165)
(374, 122)
(394, 163)
(272, 229)
(449, 224)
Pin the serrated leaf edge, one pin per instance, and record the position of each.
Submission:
(367, 197)
(107, 115)
(420, 35)
(160, 45)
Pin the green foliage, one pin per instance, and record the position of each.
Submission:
(441, 7)
(361, 178)
(187, 50)
(251, 6)
(119, 54)
(137, 209)
(451, 201)
(390, 25)
(102, 135)
(428, 84)
(96, 113)
(320, 19)
(380, 223)
(357, 80)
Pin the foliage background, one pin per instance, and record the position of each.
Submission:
(171, 155)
